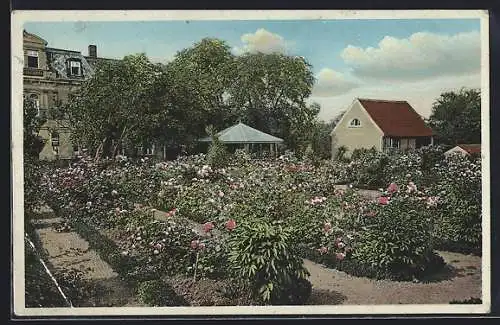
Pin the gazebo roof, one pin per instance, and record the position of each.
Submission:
(242, 133)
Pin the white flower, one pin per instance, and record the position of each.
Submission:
(114, 192)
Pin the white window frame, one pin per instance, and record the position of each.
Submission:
(75, 64)
(33, 54)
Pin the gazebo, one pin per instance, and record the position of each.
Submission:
(246, 135)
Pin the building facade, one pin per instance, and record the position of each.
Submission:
(49, 76)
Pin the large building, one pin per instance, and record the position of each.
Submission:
(49, 76)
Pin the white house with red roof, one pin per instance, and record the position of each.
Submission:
(383, 124)
(464, 150)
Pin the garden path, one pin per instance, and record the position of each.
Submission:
(68, 251)
(461, 281)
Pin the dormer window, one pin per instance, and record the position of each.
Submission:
(32, 59)
(74, 67)
(355, 123)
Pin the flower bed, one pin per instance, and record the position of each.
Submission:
(390, 237)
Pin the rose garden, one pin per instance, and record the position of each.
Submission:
(246, 224)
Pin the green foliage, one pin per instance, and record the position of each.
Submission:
(157, 293)
(458, 223)
(32, 146)
(261, 254)
(119, 103)
(340, 154)
(33, 143)
(270, 91)
(456, 117)
(217, 156)
(398, 239)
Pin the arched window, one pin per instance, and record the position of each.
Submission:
(355, 123)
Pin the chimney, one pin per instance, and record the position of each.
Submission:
(93, 51)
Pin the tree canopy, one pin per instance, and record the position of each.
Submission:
(135, 101)
(456, 117)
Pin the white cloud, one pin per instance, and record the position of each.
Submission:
(262, 41)
(332, 83)
(418, 57)
(420, 94)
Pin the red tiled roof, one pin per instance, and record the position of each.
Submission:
(471, 148)
(396, 118)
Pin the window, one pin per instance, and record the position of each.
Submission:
(355, 123)
(36, 101)
(32, 59)
(74, 68)
(391, 143)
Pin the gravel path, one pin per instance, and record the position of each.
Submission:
(462, 280)
(67, 251)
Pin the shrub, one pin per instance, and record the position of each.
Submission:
(157, 293)
(262, 255)
(458, 223)
(397, 237)
(217, 156)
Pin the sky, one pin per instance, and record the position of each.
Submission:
(395, 59)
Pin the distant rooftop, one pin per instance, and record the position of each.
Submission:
(242, 133)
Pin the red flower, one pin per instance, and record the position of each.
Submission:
(392, 188)
(208, 226)
(383, 200)
(230, 224)
(194, 244)
(201, 246)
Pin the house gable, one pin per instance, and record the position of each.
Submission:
(365, 134)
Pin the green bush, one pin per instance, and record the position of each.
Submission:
(397, 240)
(458, 223)
(158, 293)
(217, 156)
(262, 255)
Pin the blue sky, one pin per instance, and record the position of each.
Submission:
(393, 59)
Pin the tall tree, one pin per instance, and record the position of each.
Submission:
(116, 105)
(202, 74)
(270, 92)
(456, 117)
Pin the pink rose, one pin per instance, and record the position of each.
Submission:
(383, 200)
(327, 227)
(392, 188)
(230, 224)
(340, 256)
(208, 226)
(194, 244)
